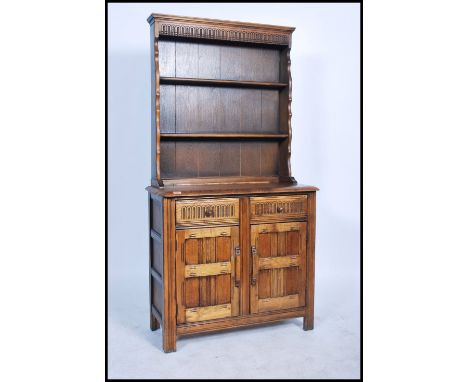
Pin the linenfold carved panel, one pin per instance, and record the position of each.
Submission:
(225, 33)
(207, 211)
(278, 207)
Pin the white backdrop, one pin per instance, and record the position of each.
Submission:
(325, 153)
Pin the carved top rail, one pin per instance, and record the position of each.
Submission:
(210, 29)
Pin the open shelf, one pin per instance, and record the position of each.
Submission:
(225, 83)
(277, 137)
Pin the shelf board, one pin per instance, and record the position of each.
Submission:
(170, 136)
(225, 83)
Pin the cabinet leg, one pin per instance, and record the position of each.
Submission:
(154, 324)
(308, 323)
(169, 341)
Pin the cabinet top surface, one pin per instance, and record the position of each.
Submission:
(198, 20)
(174, 191)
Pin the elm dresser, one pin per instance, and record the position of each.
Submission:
(231, 233)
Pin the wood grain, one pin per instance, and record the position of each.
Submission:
(275, 303)
(278, 262)
(310, 277)
(167, 58)
(244, 224)
(169, 311)
(222, 136)
(190, 251)
(167, 109)
(208, 312)
(203, 87)
(212, 81)
(196, 212)
(237, 187)
(198, 270)
(154, 324)
(274, 208)
(280, 247)
(241, 321)
(222, 183)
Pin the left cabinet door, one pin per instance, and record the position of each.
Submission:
(208, 273)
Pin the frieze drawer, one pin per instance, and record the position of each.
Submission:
(278, 208)
(201, 212)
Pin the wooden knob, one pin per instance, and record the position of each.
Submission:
(280, 209)
(208, 213)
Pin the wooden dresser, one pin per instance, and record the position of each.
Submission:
(232, 234)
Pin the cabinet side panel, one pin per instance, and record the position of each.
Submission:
(310, 278)
(157, 255)
(157, 215)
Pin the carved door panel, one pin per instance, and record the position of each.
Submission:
(278, 266)
(208, 273)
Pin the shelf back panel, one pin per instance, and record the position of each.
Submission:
(217, 61)
(192, 159)
(200, 109)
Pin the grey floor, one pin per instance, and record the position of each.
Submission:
(278, 350)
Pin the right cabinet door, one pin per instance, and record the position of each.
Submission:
(278, 277)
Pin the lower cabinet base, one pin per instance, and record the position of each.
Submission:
(169, 338)
(219, 263)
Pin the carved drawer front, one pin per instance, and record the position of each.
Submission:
(278, 208)
(200, 212)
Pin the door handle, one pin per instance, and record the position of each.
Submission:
(237, 267)
(253, 280)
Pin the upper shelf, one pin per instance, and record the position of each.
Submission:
(236, 136)
(227, 83)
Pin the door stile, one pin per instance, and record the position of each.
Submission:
(235, 258)
(244, 290)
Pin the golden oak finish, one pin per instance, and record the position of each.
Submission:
(245, 320)
(276, 303)
(231, 233)
(278, 266)
(310, 279)
(200, 212)
(278, 208)
(169, 312)
(199, 270)
(208, 313)
(206, 273)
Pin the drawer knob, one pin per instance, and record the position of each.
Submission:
(208, 213)
(280, 209)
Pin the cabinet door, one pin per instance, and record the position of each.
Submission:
(208, 273)
(278, 266)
